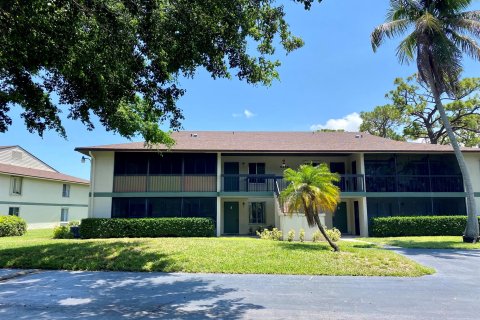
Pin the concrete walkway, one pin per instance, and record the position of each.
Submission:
(452, 293)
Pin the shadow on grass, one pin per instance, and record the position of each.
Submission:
(86, 255)
(323, 246)
(107, 295)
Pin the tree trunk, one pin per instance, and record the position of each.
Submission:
(322, 230)
(471, 231)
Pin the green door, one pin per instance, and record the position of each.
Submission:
(230, 217)
(340, 217)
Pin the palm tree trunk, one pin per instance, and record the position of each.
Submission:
(322, 230)
(471, 233)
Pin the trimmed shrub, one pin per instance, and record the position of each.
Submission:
(301, 235)
(418, 226)
(146, 227)
(62, 232)
(334, 234)
(12, 226)
(317, 236)
(266, 234)
(291, 235)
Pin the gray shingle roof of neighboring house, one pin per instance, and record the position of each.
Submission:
(284, 142)
(40, 174)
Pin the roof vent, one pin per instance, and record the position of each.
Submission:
(358, 136)
(193, 135)
(16, 155)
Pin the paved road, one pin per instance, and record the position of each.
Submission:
(452, 293)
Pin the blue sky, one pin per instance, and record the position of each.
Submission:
(333, 76)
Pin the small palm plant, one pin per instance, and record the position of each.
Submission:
(312, 190)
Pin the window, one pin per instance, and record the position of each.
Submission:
(64, 215)
(16, 186)
(256, 168)
(257, 212)
(66, 190)
(13, 211)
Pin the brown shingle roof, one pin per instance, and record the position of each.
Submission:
(41, 174)
(239, 141)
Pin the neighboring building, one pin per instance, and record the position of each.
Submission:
(31, 189)
(235, 177)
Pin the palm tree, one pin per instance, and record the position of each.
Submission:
(312, 190)
(439, 33)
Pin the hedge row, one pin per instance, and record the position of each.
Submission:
(418, 226)
(146, 227)
(12, 226)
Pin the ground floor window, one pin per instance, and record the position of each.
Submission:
(14, 211)
(257, 212)
(164, 207)
(64, 215)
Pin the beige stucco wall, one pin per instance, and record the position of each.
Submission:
(243, 214)
(297, 222)
(102, 164)
(41, 200)
(473, 165)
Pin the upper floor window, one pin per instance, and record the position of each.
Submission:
(14, 211)
(256, 168)
(66, 190)
(16, 186)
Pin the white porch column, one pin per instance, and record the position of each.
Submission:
(363, 217)
(219, 188)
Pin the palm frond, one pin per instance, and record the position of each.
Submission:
(466, 44)
(388, 30)
(471, 15)
(406, 49)
(466, 25)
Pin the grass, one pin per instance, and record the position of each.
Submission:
(210, 255)
(433, 242)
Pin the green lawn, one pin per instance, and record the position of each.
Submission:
(216, 255)
(436, 242)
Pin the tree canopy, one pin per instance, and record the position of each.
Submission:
(120, 60)
(413, 114)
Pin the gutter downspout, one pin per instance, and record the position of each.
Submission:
(92, 184)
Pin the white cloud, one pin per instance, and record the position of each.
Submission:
(246, 113)
(350, 122)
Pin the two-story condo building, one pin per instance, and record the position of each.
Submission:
(36, 192)
(235, 178)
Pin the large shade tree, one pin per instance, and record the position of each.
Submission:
(312, 190)
(121, 60)
(413, 114)
(440, 31)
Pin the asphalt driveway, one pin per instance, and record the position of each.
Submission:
(452, 293)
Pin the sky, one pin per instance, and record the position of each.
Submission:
(324, 84)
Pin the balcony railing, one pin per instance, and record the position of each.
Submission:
(414, 183)
(165, 183)
(267, 183)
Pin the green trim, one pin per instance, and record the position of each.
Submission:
(247, 194)
(154, 194)
(416, 194)
(44, 204)
(270, 194)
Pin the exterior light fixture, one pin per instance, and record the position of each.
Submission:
(84, 159)
(283, 165)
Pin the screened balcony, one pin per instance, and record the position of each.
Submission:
(274, 183)
(165, 183)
